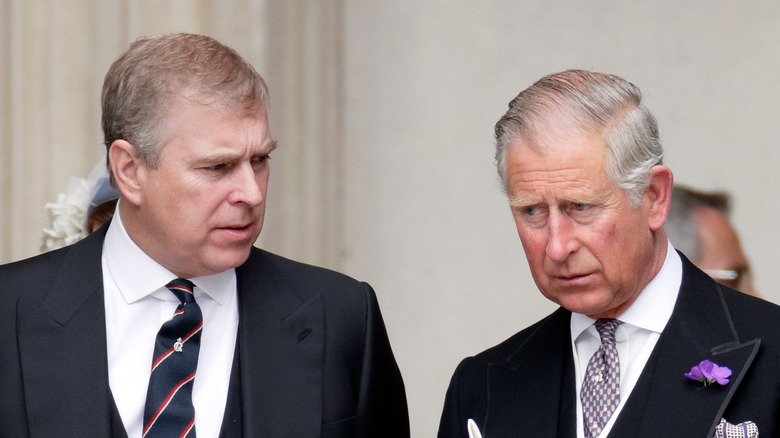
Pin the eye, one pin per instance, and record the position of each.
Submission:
(532, 215)
(261, 158)
(215, 167)
(582, 212)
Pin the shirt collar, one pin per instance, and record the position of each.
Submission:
(653, 307)
(137, 275)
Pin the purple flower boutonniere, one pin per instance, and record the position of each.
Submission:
(708, 372)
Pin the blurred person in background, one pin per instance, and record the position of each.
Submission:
(698, 225)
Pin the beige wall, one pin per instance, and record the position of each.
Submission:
(384, 114)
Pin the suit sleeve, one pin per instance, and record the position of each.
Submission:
(382, 409)
(451, 425)
(466, 399)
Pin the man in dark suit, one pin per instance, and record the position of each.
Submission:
(644, 343)
(280, 349)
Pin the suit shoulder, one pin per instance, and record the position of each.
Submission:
(37, 263)
(17, 276)
(33, 275)
(753, 316)
(504, 350)
(301, 272)
(337, 290)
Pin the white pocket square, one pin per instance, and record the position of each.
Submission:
(748, 429)
(474, 430)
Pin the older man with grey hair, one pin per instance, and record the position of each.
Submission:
(644, 344)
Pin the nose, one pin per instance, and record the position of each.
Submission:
(561, 240)
(248, 185)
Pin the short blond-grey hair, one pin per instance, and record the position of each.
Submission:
(586, 102)
(154, 73)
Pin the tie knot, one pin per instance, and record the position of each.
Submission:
(606, 328)
(183, 289)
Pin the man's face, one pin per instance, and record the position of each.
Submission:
(720, 252)
(588, 249)
(202, 209)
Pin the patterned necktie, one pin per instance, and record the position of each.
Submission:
(169, 411)
(600, 393)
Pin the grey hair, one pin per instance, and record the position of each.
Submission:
(578, 101)
(155, 73)
(682, 223)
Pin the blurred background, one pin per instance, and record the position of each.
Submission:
(384, 112)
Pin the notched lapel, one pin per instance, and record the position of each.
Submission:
(664, 401)
(543, 367)
(62, 348)
(282, 351)
(738, 357)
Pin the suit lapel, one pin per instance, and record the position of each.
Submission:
(281, 348)
(664, 402)
(543, 367)
(64, 335)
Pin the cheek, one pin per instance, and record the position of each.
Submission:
(534, 246)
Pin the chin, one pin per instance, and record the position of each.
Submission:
(231, 260)
(586, 303)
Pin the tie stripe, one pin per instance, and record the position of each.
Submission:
(167, 401)
(169, 411)
(181, 287)
(190, 427)
(170, 351)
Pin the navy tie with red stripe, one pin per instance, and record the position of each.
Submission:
(169, 411)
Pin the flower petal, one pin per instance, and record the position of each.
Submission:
(721, 374)
(695, 373)
(707, 368)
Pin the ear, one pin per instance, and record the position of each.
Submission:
(128, 170)
(659, 195)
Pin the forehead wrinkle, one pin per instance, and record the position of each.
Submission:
(559, 184)
(547, 177)
(231, 157)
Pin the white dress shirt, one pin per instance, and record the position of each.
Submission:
(636, 337)
(137, 304)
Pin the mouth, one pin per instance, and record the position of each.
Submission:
(573, 278)
(237, 231)
(236, 227)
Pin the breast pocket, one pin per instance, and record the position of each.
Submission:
(344, 428)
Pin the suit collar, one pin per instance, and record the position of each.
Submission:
(546, 389)
(664, 400)
(79, 278)
(64, 334)
(281, 340)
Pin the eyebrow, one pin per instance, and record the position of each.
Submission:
(520, 202)
(269, 146)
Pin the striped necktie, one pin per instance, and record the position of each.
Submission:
(169, 411)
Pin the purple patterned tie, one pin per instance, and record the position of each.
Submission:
(600, 393)
(169, 411)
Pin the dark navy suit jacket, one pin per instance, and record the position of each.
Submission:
(313, 357)
(525, 387)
